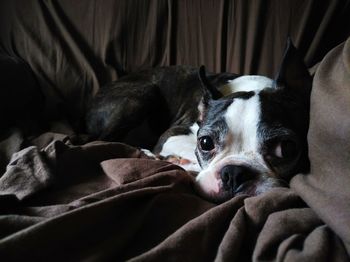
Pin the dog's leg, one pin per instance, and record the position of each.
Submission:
(121, 107)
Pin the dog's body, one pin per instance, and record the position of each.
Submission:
(166, 98)
(243, 134)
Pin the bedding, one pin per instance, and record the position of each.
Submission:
(105, 201)
(65, 197)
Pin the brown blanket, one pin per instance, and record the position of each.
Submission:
(105, 201)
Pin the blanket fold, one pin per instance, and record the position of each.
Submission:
(326, 190)
(108, 201)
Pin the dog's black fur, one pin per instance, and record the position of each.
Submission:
(155, 99)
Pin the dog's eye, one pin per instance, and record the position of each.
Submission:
(206, 143)
(286, 149)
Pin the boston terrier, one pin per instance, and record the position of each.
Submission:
(241, 134)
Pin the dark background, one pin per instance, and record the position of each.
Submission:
(74, 47)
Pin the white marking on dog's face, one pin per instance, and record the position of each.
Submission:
(242, 118)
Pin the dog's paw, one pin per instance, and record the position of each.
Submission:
(177, 160)
(186, 164)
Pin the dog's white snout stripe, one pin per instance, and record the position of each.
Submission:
(242, 118)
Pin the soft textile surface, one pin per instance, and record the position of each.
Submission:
(327, 189)
(107, 201)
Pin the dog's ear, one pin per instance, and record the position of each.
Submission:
(209, 93)
(293, 73)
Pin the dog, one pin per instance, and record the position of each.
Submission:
(242, 134)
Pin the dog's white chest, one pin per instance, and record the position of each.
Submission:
(183, 147)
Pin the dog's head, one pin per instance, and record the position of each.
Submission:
(254, 139)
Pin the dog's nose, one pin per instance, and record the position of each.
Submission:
(233, 176)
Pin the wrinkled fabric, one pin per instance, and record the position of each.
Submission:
(108, 201)
(326, 188)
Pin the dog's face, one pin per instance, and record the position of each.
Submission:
(255, 138)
